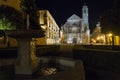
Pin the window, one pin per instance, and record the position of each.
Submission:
(84, 11)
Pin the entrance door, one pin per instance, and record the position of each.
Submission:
(74, 40)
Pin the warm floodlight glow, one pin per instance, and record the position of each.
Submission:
(44, 27)
(101, 37)
(93, 40)
(110, 34)
(98, 38)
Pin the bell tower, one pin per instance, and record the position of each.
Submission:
(85, 15)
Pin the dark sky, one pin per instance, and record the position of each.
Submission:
(61, 10)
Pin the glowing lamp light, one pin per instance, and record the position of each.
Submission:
(110, 34)
(44, 27)
(93, 40)
(101, 37)
(98, 38)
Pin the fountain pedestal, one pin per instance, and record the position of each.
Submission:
(27, 62)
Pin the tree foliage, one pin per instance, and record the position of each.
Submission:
(110, 19)
(10, 18)
(29, 7)
(96, 32)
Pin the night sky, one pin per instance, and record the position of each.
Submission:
(61, 10)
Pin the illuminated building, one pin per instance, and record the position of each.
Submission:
(112, 39)
(76, 29)
(50, 27)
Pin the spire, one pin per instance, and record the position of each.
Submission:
(85, 6)
(85, 14)
(85, 2)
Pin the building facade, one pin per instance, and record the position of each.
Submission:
(76, 29)
(50, 28)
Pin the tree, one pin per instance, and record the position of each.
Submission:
(10, 18)
(96, 32)
(29, 8)
(110, 19)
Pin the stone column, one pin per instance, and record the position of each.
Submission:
(26, 61)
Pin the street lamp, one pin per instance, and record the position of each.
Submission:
(110, 34)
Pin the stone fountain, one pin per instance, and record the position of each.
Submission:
(27, 62)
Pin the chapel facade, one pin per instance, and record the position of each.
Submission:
(76, 29)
